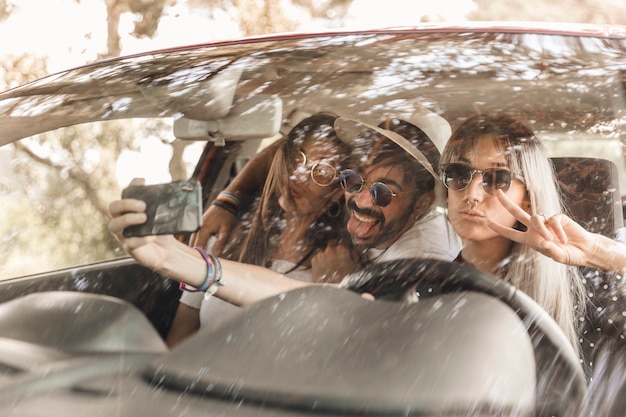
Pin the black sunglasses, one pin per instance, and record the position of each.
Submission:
(458, 176)
(353, 183)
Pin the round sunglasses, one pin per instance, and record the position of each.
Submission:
(322, 173)
(457, 177)
(353, 183)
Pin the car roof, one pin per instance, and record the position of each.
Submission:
(176, 82)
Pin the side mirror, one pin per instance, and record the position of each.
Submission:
(255, 117)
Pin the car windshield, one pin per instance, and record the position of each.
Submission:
(57, 182)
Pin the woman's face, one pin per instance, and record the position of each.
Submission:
(468, 208)
(313, 183)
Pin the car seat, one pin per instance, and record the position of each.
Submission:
(590, 191)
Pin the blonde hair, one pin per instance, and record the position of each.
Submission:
(556, 287)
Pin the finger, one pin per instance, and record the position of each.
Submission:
(519, 213)
(507, 232)
(193, 239)
(557, 228)
(539, 221)
(115, 226)
(200, 237)
(220, 243)
(549, 249)
(332, 243)
(119, 223)
(120, 207)
(197, 239)
(138, 181)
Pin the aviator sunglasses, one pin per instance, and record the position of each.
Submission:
(322, 173)
(353, 183)
(458, 176)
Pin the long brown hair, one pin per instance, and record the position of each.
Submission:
(262, 226)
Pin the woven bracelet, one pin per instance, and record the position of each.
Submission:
(210, 273)
(228, 201)
(210, 269)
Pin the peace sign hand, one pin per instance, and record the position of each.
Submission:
(558, 237)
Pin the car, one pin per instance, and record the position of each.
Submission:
(82, 325)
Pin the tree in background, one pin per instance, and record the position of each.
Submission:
(571, 11)
(146, 26)
(253, 17)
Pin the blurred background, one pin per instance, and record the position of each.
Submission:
(43, 37)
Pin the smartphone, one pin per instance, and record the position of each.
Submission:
(172, 208)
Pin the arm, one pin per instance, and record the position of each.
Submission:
(219, 221)
(186, 322)
(607, 254)
(243, 283)
(563, 240)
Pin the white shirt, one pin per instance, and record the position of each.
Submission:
(432, 236)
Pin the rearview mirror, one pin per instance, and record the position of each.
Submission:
(255, 117)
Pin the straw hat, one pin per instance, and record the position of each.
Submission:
(426, 152)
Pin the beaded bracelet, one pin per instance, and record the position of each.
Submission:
(210, 275)
(228, 201)
(217, 278)
(213, 278)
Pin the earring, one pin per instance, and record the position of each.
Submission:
(334, 210)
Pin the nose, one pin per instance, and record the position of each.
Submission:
(362, 198)
(474, 191)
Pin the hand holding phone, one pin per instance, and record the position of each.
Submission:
(172, 208)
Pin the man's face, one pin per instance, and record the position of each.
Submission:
(372, 226)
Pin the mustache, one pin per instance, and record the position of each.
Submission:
(365, 211)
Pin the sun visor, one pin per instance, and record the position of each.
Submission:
(253, 117)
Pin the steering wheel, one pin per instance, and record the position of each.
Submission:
(561, 382)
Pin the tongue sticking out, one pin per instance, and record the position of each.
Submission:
(361, 227)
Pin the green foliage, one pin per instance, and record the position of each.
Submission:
(56, 196)
(40, 237)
